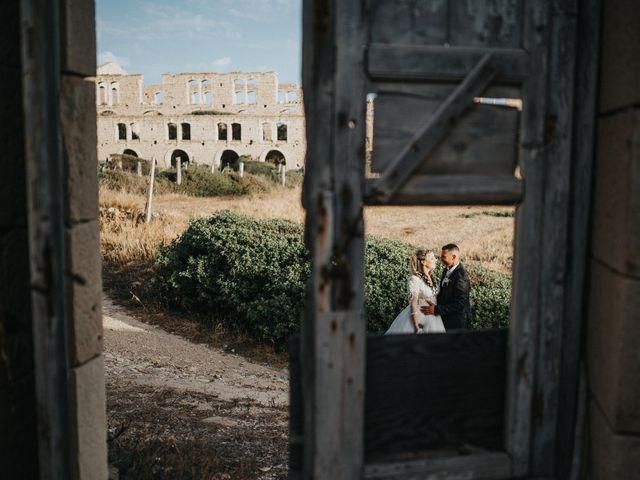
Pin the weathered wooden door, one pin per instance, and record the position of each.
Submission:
(471, 404)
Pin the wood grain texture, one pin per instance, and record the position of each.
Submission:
(469, 147)
(429, 134)
(424, 393)
(455, 190)
(416, 62)
(487, 23)
(525, 303)
(487, 466)
(553, 269)
(582, 170)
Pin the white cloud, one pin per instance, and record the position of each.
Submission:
(221, 62)
(107, 56)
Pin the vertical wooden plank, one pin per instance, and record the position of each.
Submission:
(318, 86)
(584, 115)
(553, 264)
(526, 273)
(45, 186)
(488, 23)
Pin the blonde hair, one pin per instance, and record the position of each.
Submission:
(417, 268)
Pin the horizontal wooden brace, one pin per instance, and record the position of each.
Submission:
(451, 190)
(390, 62)
(495, 465)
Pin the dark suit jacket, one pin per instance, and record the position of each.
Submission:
(453, 300)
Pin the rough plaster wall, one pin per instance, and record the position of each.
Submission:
(613, 327)
(177, 107)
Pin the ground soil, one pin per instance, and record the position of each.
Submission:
(178, 409)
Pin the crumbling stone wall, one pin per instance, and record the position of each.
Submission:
(136, 117)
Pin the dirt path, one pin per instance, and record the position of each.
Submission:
(183, 410)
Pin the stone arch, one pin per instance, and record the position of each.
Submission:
(226, 157)
(130, 152)
(172, 153)
(274, 156)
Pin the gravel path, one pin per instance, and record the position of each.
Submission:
(177, 409)
(146, 355)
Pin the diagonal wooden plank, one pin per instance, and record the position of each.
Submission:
(412, 155)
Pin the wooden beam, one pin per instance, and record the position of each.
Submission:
(40, 39)
(584, 114)
(452, 190)
(494, 465)
(436, 63)
(413, 154)
(525, 301)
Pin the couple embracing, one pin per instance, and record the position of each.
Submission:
(435, 306)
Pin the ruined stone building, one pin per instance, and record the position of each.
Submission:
(204, 118)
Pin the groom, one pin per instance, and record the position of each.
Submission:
(453, 299)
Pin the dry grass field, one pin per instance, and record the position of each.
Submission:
(485, 234)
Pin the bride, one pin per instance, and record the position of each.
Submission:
(422, 288)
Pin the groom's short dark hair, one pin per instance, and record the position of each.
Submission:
(451, 247)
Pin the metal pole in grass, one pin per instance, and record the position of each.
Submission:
(179, 171)
(139, 168)
(241, 167)
(152, 177)
(283, 174)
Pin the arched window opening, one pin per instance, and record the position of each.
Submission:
(122, 131)
(135, 131)
(239, 91)
(252, 82)
(267, 133)
(184, 158)
(158, 98)
(113, 98)
(229, 159)
(292, 96)
(172, 131)
(275, 157)
(236, 131)
(131, 153)
(186, 131)
(222, 131)
(282, 132)
(207, 92)
(193, 92)
(281, 97)
(102, 95)
(252, 97)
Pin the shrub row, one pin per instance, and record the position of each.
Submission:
(197, 180)
(250, 275)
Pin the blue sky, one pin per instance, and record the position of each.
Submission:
(159, 36)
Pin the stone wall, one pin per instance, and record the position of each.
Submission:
(613, 330)
(25, 429)
(136, 118)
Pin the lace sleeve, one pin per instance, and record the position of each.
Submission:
(414, 287)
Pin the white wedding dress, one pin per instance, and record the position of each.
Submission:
(430, 323)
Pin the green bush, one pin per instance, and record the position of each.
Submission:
(198, 181)
(129, 163)
(251, 274)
